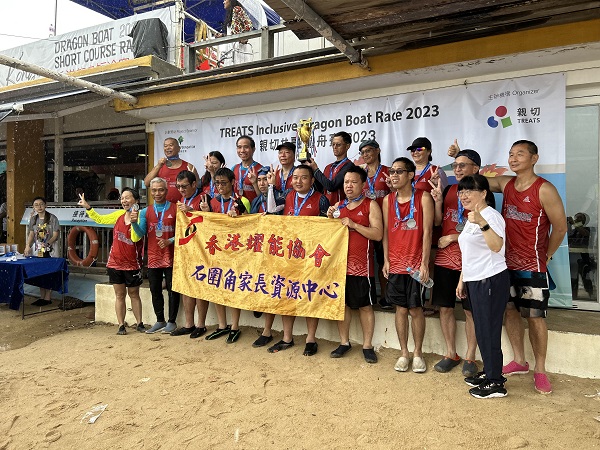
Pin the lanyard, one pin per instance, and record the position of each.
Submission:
(263, 203)
(461, 210)
(346, 202)
(189, 202)
(298, 209)
(172, 158)
(223, 205)
(372, 183)
(212, 188)
(284, 183)
(165, 206)
(411, 212)
(245, 170)
(333, 172)
(423, 172)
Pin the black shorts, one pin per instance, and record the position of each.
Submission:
(404, 291)
(529, 293)
(130, 278)
(358, 291)
(443, 292)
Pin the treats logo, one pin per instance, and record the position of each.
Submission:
(500, 112)
(180, 140)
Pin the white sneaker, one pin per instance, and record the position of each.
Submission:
(419, 365)
(402, 364)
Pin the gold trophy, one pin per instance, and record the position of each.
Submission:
(305, 135)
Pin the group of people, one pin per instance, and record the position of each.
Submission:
(494, 263)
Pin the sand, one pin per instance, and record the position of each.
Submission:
(166, 392)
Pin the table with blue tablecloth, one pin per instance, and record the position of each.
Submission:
(47, 273)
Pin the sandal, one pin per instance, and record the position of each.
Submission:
(310, 348)
(281, 345)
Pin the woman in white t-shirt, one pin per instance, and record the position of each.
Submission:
(485, 280)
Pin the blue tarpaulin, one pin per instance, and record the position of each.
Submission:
(210, 11)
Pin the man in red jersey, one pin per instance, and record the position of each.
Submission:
(332, 178)
(158, 222)
(362, 216)
(245, 147)
(376, 188)
(535, 227)
(450, 214)
(169, 167)
(408, 222)
(302, 201)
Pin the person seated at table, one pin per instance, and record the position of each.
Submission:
(124, 264)
(42, 240)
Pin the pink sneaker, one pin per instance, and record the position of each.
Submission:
(513, 368)
(542, 384)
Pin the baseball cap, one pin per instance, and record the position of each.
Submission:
(420, 142)
(472, 155)
(287, 145)
(370, 142)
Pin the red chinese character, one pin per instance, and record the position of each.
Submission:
(318, 254)
(233, 242)
(255, 243)
(212, 245)
(295, 249)
(275, 245)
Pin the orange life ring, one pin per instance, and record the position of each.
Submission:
(72, 241)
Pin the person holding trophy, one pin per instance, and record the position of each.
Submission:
(42, 240)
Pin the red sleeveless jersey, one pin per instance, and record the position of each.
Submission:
(310, 208)
(380, 187)
(246, 187)
(405, 244)
(124, 253)
(160, 257)
(422, 182)
(527, 227)
(360, 249)
(171, 176)
(450, 257)
(193, 201)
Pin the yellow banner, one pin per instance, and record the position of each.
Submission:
(285, 265)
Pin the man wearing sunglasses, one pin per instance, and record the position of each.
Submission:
(450, 214)
(408, 221)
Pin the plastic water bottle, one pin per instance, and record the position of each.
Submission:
(417, 276)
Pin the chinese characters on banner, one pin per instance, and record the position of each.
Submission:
(282, 265)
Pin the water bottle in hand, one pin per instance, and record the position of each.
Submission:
(417, 276)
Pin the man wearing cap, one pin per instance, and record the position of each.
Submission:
(332, 178)
(169, 167)
(450, 214)
(420, 151)
(535, 227)
(376, 189)
(286, 152)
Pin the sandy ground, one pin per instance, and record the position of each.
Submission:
(168, 392)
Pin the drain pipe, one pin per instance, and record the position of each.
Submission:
(67, 79)
(306, 13)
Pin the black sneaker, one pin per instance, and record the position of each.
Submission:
(478, 379)
(489, 389)
(140, 327)
(122, 331)
(183, 331)
(218, 333)
(198, 331)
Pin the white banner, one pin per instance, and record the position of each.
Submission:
(95, 46)
(70, 216)
(487, 117)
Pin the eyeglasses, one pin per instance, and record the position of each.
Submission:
(397, 171)
(460, 166)
(418, 149)
(222, 183)
(182, 186)
(468, 192)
